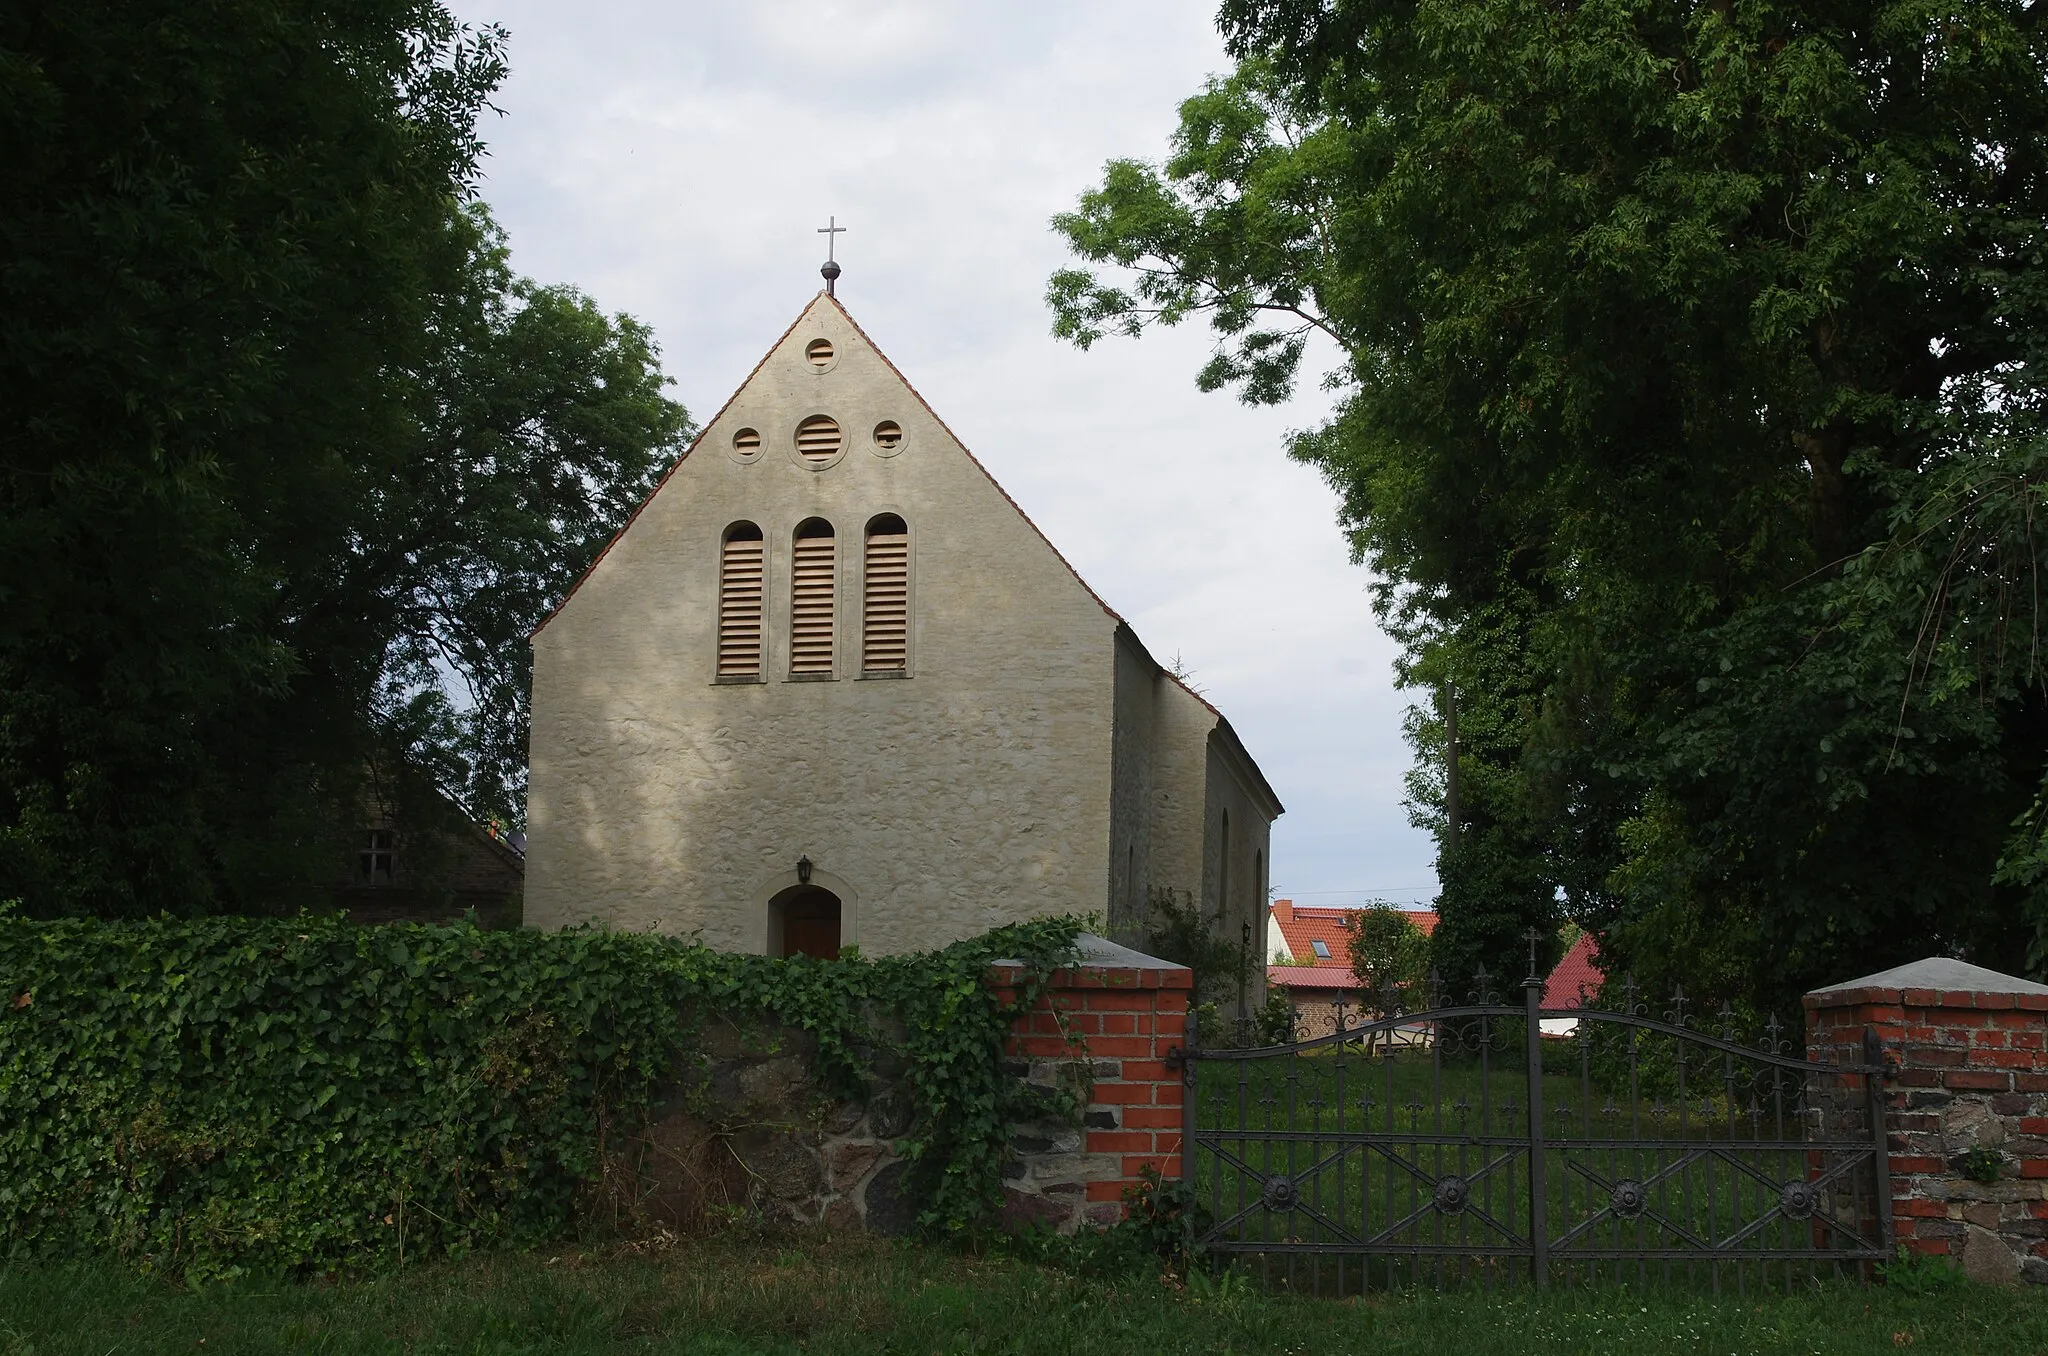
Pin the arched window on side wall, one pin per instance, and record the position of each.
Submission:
(885, 604)
(740, 580)
(814, 587)
(1261, 897)
(1223, 873)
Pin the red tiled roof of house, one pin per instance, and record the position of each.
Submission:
(1576, 977)
(1333, 978)
(1302, 927)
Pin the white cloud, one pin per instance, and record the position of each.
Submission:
(674, 161)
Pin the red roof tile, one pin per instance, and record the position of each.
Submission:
(1336, 978)
(1301, 928)
(1576, 977)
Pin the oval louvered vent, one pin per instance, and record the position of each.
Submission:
(747, 442)
(888, 435)
(812, 586)
(819, 351)
(885, 608)
(739, 604)
(817, 438)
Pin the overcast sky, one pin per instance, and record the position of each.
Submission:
(674, 160)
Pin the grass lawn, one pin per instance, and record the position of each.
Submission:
(747, 1295)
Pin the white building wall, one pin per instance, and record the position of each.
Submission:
(973, 793)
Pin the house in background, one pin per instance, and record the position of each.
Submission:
(1571, 985)
(432, 865)
(1308, 959)
(829, 686)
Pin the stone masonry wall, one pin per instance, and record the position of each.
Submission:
(759, 1135)
(1968, 1095)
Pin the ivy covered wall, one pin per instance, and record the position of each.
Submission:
(219, 1095)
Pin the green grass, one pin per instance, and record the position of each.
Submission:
(737, 1297)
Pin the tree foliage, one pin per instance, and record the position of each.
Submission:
(1390, 957)
(1690, 421)
(288, 452)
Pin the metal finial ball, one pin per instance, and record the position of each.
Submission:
(830, 270)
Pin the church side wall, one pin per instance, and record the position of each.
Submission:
(1235, 866)
(1179, 790)
(972, 793)
(1135, 740)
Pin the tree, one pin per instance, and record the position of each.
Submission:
(1390, 958)
(1689, 423)
(543, 424)
(286, 442)
(1388, 954)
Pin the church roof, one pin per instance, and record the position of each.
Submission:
(827, 299)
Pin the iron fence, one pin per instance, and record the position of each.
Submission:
(1462, 1144)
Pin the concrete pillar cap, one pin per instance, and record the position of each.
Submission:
(1936, 972)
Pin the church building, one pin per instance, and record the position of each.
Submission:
(830, 687)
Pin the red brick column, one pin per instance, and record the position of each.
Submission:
(1968, 1101)
(1110, 1025)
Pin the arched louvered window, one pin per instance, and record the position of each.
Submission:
(885, 604)
(814, 585)
(740, 580)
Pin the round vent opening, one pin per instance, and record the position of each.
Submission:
(819, 351)
(747, 442)
(817, 438)
(888, 435)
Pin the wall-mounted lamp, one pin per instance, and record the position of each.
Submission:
(803, 870)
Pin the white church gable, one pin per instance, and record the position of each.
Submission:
(829, 645)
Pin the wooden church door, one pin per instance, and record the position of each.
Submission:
(810, 924)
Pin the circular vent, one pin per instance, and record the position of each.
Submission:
(747, 442)
(819, 351)
(817, 438)
(888, 435)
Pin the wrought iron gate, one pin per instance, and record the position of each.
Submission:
(1461, 1143)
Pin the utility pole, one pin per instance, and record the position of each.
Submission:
(1448, 698)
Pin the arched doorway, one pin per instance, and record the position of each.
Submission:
(804, 921)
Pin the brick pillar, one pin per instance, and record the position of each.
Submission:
(1969, 1100)
(1109, 1025)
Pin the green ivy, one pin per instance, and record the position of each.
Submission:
(218, 1095)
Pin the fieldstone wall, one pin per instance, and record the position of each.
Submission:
(1966, 1107)
(756, 1132)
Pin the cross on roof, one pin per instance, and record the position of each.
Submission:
(829, 230)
